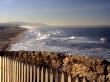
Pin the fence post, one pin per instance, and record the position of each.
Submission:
(9, 70)
(34, 77)
(51, 76)
(17, 71)
(42, 72)
(77, 79)
(0, 68)
(5, 69)
(30, 73)
(27, 78)
(69, 78)
(84, 79)
(62, 77)
(56, 77)
(38, 74)
(24, 73)
(46, 76)
(13, 71)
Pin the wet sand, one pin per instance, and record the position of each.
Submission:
(9, 35)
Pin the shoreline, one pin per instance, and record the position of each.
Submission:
(15, 39)
(9, 36)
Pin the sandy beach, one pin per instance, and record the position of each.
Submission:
(8, 36)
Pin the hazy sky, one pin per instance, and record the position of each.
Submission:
(56, 12)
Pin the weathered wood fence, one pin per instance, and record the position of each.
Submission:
(15, 71)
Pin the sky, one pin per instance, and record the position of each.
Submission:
(56, 12)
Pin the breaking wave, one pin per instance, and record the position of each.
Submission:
(59, 40)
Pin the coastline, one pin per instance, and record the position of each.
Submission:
(82, 66)
(9, 36)
(15, 39)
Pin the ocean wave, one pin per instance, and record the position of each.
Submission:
(41, 36)
(40, 39)
(56, 32)
(28, 27)
(49, 37)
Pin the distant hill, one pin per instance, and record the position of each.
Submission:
(7, 25)
(14, 24)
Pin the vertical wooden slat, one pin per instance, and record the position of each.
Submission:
(69, 78)
(62, 77)
(3, 70)
(22, 70)
(56, 77)
(8, 70)
(51, 76)
(0, 69)
(38, 74)
(27, 73)
(24, 73)
(42, 74)
(77, 79)
(13, 72)
(84, 79)
(30, 73)
(19, 75)
(46, 75)
(34, 73)
(17, 71)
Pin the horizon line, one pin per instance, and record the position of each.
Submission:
(62, 25)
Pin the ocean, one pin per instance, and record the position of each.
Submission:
(89, 41)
